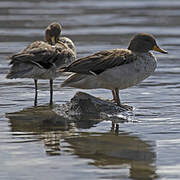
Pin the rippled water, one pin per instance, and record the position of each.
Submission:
(36, 144)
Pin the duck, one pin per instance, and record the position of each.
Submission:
(115, 69)
(41, 59)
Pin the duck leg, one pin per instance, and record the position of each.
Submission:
(117, 99)
(114, 95)
(51, 92)
(36, 92)
(126, 107)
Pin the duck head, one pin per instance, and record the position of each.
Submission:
(143, 43)
(52, 33)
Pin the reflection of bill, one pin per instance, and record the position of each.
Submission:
(123, 153)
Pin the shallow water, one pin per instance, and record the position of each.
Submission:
(36, 144)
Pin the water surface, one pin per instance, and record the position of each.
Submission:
(35, 143)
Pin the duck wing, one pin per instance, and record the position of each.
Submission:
(101, 61)
(38, 53)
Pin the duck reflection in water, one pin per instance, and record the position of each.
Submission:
(46, 125)
(121, 153)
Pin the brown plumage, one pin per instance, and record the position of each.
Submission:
(40, 59)
(99, 62)
(115, 69)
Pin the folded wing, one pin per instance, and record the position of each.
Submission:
(101, 61)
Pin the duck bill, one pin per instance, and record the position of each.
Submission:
(53, 40)
(156, 48)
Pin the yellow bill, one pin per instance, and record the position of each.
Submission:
(53, 39)
(156, 48)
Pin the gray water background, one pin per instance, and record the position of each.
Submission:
(35, 144)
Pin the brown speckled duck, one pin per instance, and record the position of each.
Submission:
(115, 69)
(40, 60)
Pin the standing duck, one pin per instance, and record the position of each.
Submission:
(40, 59)
(115, 69)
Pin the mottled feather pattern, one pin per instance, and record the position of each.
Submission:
(123, 73)
(99, 62)
(39, 59)
(69, 44)
(36, 52)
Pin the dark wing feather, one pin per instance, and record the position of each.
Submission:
(99, 62)
(38, 53)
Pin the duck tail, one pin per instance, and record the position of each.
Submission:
(20, 71)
